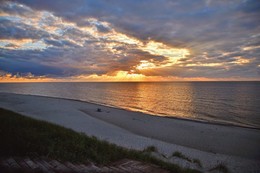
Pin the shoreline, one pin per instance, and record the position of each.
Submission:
(210, 143)
(229, 124)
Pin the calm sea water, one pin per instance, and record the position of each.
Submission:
(224, 102)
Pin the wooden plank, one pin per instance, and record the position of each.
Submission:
(128, 163)
(23, 164)
(142, 167)
(72, 167)
(94, 167)
(58, 166)
(54, 166)
(4, 163)
(126, 169)
(46, 164)
(89, 168)
(129, 166)
(31, 164)
(13, 164)
(42, 166)
(79, 167)
(116, 169)
(106, 169)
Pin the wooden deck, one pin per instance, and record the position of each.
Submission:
(43, 165)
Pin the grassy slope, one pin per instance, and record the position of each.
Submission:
(23, 136)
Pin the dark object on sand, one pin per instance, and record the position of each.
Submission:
(99, 110)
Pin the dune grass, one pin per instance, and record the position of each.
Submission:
(24, 136)
(220, 168)
(150, 149)
(180, 155)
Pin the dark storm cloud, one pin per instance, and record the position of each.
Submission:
(48, 62)
(146, 17)
(102, 28)
(18, 66)
(14, 29)
(14, 9)
(60, 43)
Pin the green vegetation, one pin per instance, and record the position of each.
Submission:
(23, 136)
(180, 155)
(197, 161)
(150, 149)
(221, 168)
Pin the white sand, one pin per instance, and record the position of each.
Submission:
(237, 147)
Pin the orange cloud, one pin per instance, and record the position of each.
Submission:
(8, 78)
(120, 76)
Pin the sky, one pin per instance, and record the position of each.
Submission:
(129, 40)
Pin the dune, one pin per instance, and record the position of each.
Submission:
(237, 147)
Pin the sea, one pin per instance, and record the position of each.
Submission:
(230, 103)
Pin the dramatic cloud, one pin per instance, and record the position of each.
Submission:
(130, 40)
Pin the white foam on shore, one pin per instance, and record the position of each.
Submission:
(212, 144)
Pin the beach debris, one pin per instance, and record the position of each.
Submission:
(99, 110)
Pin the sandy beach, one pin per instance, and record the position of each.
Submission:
(237, 147)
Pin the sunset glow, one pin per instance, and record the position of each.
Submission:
(145, 65)
(42, 41)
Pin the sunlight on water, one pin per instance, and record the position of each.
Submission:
(226, 102)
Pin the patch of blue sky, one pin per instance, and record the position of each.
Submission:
(38, 45)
